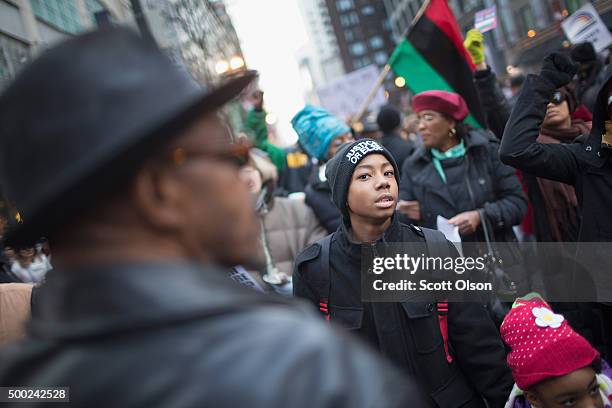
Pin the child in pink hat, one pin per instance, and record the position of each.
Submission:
(552, 365)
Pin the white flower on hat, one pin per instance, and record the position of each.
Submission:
(547, 318)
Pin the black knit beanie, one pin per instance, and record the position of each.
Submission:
(389, 118)
(340, 169)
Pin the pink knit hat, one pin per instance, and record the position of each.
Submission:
(543, 343)
(448, 103)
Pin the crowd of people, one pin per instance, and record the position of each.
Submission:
(195, 267)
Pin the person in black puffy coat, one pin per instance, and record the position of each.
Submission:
(585, 165)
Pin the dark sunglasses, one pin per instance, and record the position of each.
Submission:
(557, 98)
(237, 154)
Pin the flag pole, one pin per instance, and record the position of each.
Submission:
(381, 78)
(418, 15)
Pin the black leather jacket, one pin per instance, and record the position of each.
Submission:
(183, 335)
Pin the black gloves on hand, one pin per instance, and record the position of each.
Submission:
(559, 69)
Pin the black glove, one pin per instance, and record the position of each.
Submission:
(559, 69)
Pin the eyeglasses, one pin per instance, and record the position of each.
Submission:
(237, 154)
(426, 117)
(557, 98)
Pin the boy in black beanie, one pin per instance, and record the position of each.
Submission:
(460, 363)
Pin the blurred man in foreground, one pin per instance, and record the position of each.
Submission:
(135, 182)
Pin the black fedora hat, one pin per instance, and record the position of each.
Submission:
(85, 114)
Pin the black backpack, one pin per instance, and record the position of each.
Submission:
(436, 246)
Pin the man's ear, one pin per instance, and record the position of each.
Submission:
(533, 399)
(159, 197)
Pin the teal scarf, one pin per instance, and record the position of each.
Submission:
(453, 152)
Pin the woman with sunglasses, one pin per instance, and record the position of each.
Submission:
(585, 165)
(555, 206)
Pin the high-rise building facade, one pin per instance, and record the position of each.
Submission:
(401, 13)
(363, 32)
(320, 58)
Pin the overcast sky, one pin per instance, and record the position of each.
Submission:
(271, 32)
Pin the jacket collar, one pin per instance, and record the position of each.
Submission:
(473, 139)
(390, 135)
(120, 297)
(353, 249)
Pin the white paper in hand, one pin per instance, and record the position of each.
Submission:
(451, 232)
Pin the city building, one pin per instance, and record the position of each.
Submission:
(401, 13)
(364, 36)
(363, 32)
(321, 57)
(28, 26)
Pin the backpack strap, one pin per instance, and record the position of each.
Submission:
(437, 245)
(324, 272)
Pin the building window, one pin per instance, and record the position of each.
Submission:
(344, 5)
(361, 62)
(59, 13)
(376, 42)
(13, 55)
(348, 35)
(368, 10)
(381, 57)
(345, 21)
(357, 48)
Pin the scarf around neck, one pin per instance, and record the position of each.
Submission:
(452, 153)
(578, 127)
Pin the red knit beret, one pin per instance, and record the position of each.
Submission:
(448, 103)
(543, 345)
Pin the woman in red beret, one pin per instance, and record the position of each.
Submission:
(457, 175)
